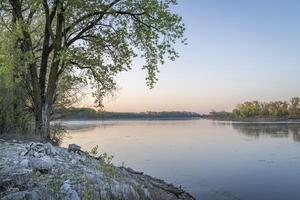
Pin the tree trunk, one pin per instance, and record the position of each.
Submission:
(42, 116)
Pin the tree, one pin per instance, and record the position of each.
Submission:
(72, 41)
(295, 101)
(14, 116)
(294, 107)
(249, 109)
(278, 108)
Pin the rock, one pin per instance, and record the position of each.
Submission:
(25, 163)
(13, 190)
(74, 147)
(22, 195)
(36, 154)
(73, 161)
(67, 193)
(147, 193)
(43, 164)
(44, 177)
(17, 196)
(50, 150)
(82, 159)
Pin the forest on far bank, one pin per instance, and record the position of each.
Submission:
(251, 110)
(90, 113)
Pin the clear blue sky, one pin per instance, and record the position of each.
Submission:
(237, 50)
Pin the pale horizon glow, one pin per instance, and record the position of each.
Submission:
(237, 51)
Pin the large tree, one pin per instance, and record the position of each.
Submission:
(63, 42)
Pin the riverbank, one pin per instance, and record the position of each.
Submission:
(253, 119)
(32, 170)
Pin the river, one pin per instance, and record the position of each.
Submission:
(211, 160)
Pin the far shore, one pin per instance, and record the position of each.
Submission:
(127, 119)
(219, 119)
(254, 119)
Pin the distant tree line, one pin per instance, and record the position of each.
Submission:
(89, 113)
(256, 109)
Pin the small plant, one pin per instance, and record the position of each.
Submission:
(89, 190)
(105, 161)
(57, 134)
(54, 186)
(94, 151)
(106, 165)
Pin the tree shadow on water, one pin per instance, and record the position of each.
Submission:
(271, 130)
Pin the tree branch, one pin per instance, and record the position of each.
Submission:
(92, 23)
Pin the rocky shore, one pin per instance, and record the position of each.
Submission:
(31, 170)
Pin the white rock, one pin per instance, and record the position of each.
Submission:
(25, 162)
(51, 150)
(43, 164)
(67, 193)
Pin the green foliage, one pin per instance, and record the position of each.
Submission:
(94, 150)
(130, 28)
(249, 109)
(106, 165)
(294, 107)
(14, 114)
(58, 47)
(89, 190)
(105, 161)
(254, 109)
(54, 186)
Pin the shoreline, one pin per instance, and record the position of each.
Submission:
(34, 170)
(128, 119)
(255, 120)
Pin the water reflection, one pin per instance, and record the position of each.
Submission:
(269, 129)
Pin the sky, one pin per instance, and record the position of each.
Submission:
(238, 50)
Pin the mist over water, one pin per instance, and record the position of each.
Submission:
(211, 160)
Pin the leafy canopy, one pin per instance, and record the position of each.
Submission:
(95, 39)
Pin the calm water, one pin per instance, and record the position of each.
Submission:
(210, 160)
